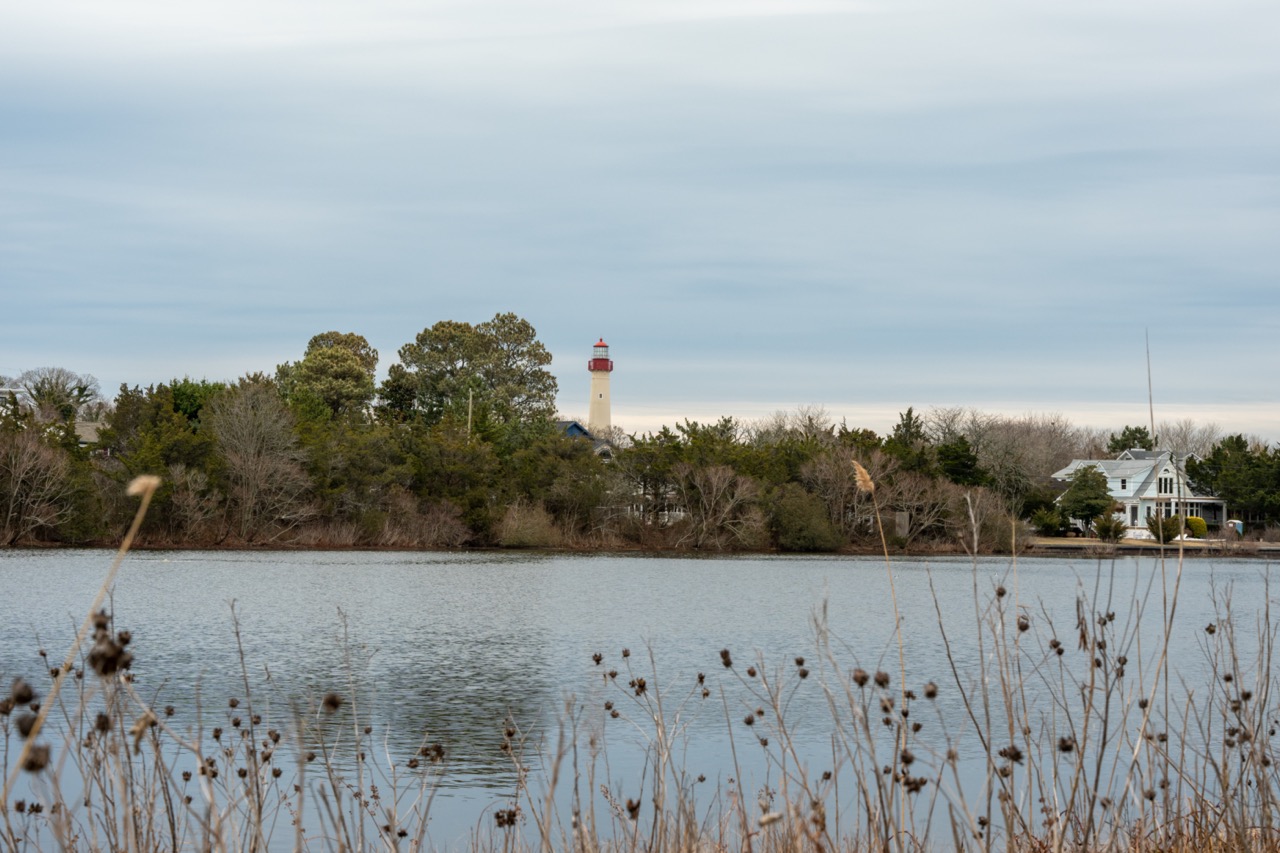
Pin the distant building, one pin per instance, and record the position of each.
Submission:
(573, 429)
(1146, 483)
(600, 366)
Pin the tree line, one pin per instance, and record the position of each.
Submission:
(458, 446)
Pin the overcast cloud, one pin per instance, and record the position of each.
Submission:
(758, 204)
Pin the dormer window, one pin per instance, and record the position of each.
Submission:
(1124, 484)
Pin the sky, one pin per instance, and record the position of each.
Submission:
(759, 204)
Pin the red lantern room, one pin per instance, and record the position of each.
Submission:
(600, 357)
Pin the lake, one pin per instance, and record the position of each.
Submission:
(452, 647)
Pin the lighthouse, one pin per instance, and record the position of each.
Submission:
(600, 366)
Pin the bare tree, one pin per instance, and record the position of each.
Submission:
(57, 394)
(266, 484)
(721, 507)
(980, 520)
(35, 485)
(1185, 436)
(804, 422)
(924, 500)
(831, 477)
(196, 503)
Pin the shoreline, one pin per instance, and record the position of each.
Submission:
(1039, 547)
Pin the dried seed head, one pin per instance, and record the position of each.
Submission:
(860, 677)
(331, 702)
(25, 724)
(144, 485)
(865, 484)
(882, 679)
(107, 657)
(21, 692)
(37, 758)
(931, 691)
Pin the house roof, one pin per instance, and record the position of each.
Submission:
(574, 429)
(87, 431)
(1140, 466)
(1139, 453)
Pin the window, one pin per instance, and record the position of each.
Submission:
(1166, 485)
(1124, 484)
(1133, 515)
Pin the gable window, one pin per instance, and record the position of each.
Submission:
(1166, 485)
(1124, 484)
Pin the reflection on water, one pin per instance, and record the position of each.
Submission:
(450, 648)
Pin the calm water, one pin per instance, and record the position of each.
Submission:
(452, 645)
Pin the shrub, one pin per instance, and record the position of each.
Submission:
(1109, 528)
(800, 522)
(527, 525)
(1199, 529)
(1047, 522)
(1164, 529)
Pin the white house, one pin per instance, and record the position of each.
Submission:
(1151, 482)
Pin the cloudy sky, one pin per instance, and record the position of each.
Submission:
(759, 204)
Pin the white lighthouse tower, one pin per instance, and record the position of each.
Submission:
(598, 420)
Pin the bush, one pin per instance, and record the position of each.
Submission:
(800, 522)
(528, 525)
(1165, 529)
(1047, 522)
(1109, 528)
(1199, 529)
